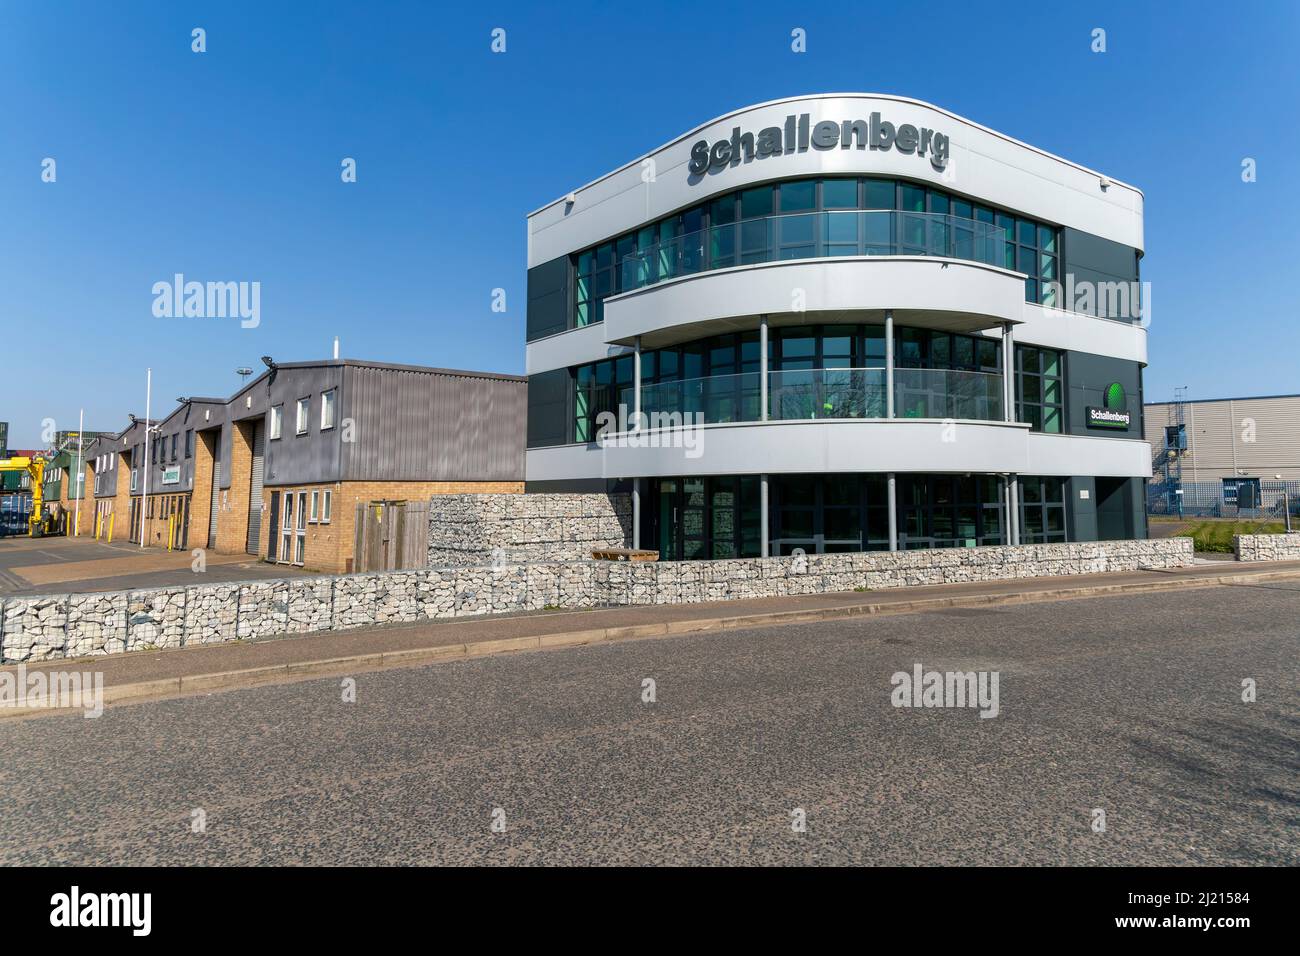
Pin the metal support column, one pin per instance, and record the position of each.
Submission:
(1008, 374)
(764, 539)
(1013, 507)
(889, 387)
(636, 513)
(762, 385)
(636, 386)
(893, 513)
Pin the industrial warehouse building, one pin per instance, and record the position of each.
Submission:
(278, 470)
(1228, 437)
(842, 322)
(1225, 457)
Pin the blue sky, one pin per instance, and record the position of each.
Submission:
(225, 165)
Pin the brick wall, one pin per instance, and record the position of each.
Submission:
(120, 524)
(232, 522)
(328, 547)
(205, 443)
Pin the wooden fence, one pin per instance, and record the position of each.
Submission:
(391, 536)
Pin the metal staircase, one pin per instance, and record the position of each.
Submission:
(1168, 460)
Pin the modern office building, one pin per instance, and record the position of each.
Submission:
(842, 322)
(278, 469)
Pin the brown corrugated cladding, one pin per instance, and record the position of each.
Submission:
(434, 425)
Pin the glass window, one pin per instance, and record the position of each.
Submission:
(741, 230)
(327, 409)
(304, 405)
(879, 194)
(315, 507)
(277, 419)
(798, 196)
(840, 194)
(756, 202)
(325, 506)
(1040, 389)
(1042, 509)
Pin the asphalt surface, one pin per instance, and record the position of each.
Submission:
(1128, 704)
(61, 565)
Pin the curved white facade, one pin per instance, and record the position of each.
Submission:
(1056, 364)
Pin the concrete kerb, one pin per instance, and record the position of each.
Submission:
(368, 662)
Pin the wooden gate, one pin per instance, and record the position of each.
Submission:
(391, 536)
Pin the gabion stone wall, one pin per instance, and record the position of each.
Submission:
(1267, 547)
(497, 529)
(83, 625)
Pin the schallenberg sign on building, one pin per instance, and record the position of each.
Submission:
(799, 133)
(1115, 414)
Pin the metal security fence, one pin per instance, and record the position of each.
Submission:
(1233, 498)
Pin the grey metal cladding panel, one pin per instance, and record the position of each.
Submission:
(548, 298)
(424, 426)
(1086, 251)
(1087, 377)
(548, 404)
(1272, 426)
(293, 459)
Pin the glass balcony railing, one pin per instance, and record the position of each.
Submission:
(814, 235)
(820, 393)
(947, 393)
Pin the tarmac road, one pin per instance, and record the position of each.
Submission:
(1128, 704)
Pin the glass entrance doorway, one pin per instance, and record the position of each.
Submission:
(703, 518)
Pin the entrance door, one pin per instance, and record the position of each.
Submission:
(1114, 521)
(286, 527)
(271, 552)
(694, 529)
(668, 510)
(255, 492)
(300, 530)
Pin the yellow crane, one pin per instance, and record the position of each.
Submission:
(35, 468)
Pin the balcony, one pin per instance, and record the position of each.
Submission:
(832, 393)
(814, 235)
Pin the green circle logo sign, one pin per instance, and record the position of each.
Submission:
(1115, 398)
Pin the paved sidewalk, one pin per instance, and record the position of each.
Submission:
(152, 674)
(62, 565)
